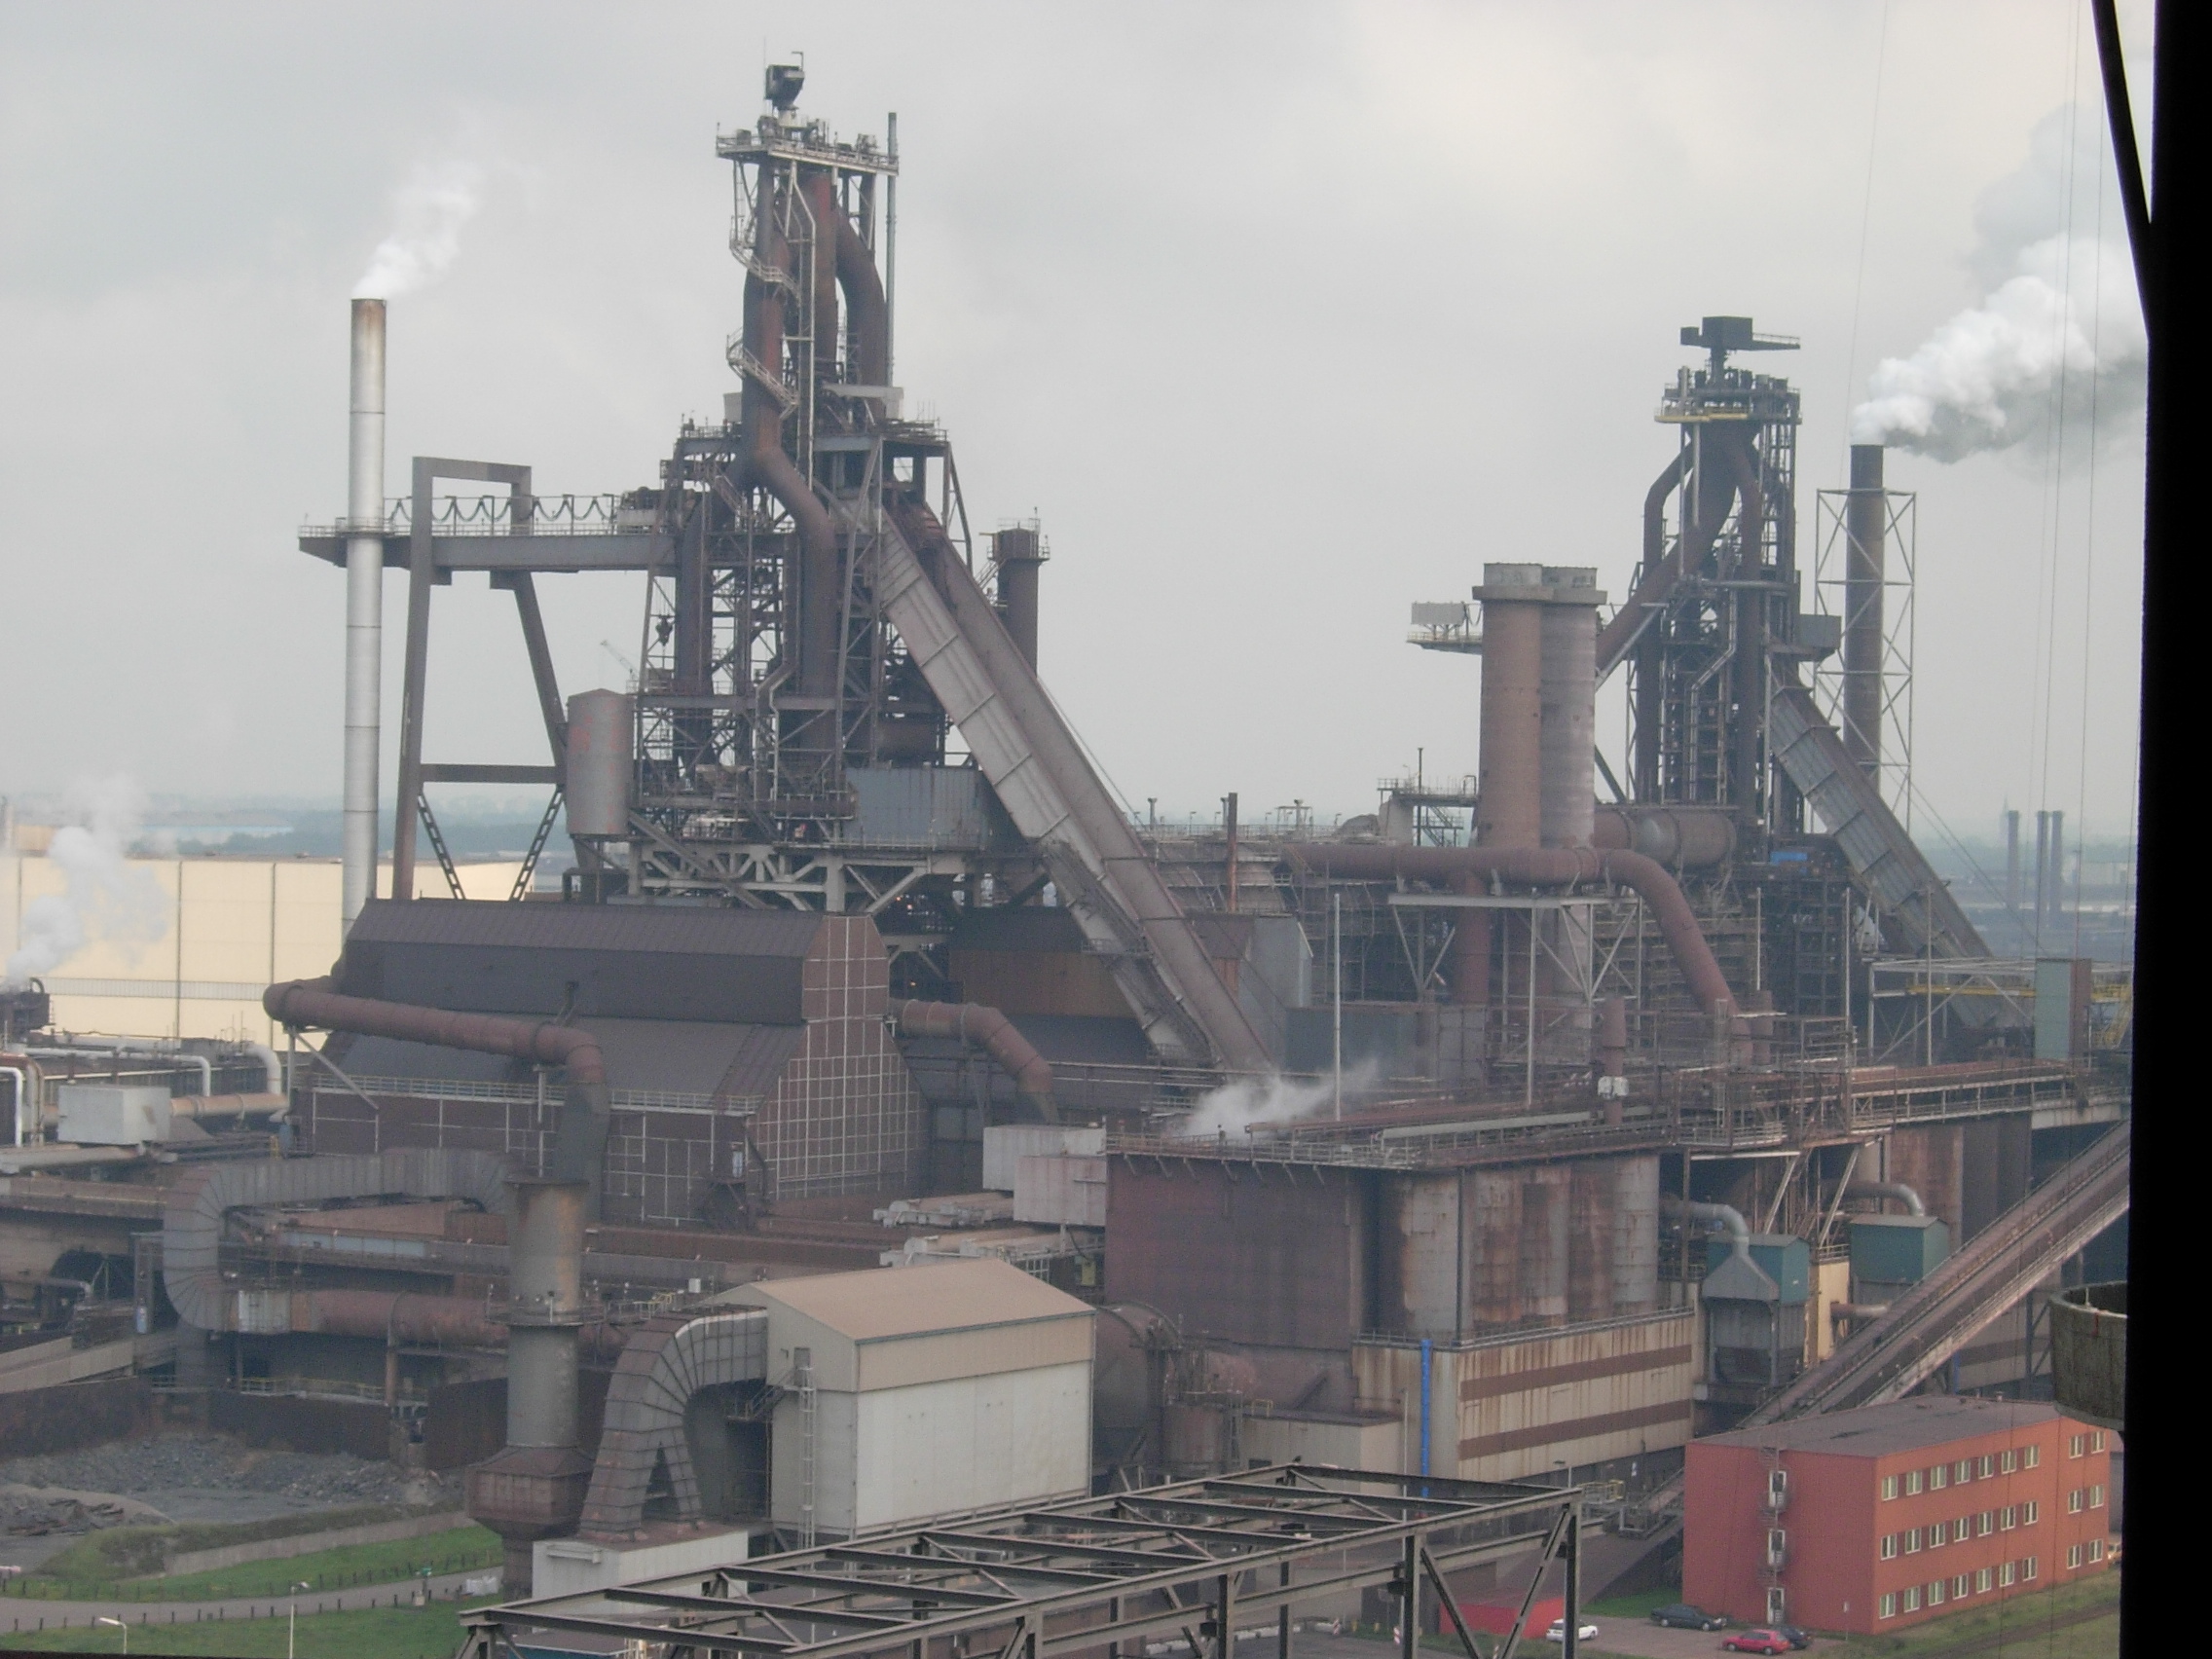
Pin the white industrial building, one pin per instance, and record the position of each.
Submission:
(932, 1391)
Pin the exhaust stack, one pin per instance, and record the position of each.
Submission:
(364, 606)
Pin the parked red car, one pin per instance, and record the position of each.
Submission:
(1768, 1641)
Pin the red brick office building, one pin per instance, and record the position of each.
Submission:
(1873, 1520)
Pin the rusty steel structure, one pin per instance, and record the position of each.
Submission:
(1094, 1575)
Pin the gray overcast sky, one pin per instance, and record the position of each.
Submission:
(1280, 316)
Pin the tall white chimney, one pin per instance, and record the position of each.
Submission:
(364, 606)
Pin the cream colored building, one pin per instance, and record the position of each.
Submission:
(195, 963)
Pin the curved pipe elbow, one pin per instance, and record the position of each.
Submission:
(988, 1030)
(864, 306)
(1879, 1190)
(1714, 1218)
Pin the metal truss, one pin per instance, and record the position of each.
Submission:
(1095, 1576)
(1894, 594)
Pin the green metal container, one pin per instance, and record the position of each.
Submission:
(1781, 1256)
(1896, 1249)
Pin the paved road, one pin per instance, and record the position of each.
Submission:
(18, 1613)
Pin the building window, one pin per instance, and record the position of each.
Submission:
(1963, 1470)
(1912, 1483)
(2028, 1570)
(1889, 1488)
(1938, 1477)
(1889, 1606)
(2029, 1511)
(1962, 1586)
(1912, 1541)
(2006, 1573)
(2031, 1456)
(2007, 1461)
(2096, 1549)
(2096, 1498)
(1912, 1599)
(1888, 1546)
(2076, 1443)
(1986, 1468)
(1935, 1592)
(1981, 1580)
(2096, 1440)
(1985, 1524)
(2073, 1556)
(2074, 1501)
(2008, 1517)
(1937, 1534)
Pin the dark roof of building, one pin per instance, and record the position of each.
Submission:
(583, 961)
(1019, 927)
(665, 1055)
(1901, 1426)
(690, 930)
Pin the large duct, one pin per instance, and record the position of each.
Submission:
(1546, 867)
(365, 607)
(580, 1143)
(669, 1361)
(990, 1030)
(1682, 838)
(534, 1488)
(1866, 538)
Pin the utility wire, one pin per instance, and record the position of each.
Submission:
(1866, 220)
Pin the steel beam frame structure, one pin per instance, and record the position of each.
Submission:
(1094, 1575)
(1893, 598)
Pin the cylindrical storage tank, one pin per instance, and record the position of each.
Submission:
(1020, 552)
(1545, 1203)
(1636, 1235)
(1865, 526)
(600, 736)
(1493, 1247)
(1510, 809)
(1590, 1240)
(1568, 698)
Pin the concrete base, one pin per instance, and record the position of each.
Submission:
(569, 1567)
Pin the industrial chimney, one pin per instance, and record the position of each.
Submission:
(365, 607)
(1866, 534)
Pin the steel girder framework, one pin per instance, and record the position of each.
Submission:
(1089, 1575)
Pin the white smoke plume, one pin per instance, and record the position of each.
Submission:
(2059, 302)
(426, 238)
(104, 899)
(1252, 1102)
(1988, 378)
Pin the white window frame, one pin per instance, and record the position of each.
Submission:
(2030, 1513)
(1887, 1608)
(2007, 1573)
(1985, 1524)
(1963, 1470)
(2096, 1440)
(1913, 1481)
(1888, 1546)
(2097, 1550)
(1938, 1477)
(2076, 1445)
(1889, 1488)
(2031, 1456)
(2007, 1461)
(2009, 1518)
(2072, 1557)
(1962, 1586)
(2097, 1495)
(1935, 1592)
(2028, 1570)
(1912, 1599)
(1912, 1540)
(2074, 1500)
(1985, 1467)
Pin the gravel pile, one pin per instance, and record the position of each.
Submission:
(209, 1462)
(25, 1517)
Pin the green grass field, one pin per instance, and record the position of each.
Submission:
(386, 1633)
(459, 1549)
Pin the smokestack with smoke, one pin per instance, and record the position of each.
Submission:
(1259, 1102)
(105, 897)
(433, 205)
(2057, 304)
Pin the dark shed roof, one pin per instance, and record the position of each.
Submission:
(593, 961)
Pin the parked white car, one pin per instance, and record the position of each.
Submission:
(1582, 1633)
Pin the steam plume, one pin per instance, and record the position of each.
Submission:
(1985, 380)
(433, 205)
(104, 899)
(1251, 1102)
(2057, 303)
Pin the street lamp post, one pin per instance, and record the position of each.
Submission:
(292, 1620)
(120, 1625)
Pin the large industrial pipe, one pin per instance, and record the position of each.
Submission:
(579, 1144)
(990, 1030)
(1896, 1190)
(534, 1488)
(599, 734)
(1684, 837)
(1714, 1218)
(1865, 528)
(364, 608)
(1658, 574)
(1545, 867)
(1509, 810)
(202, 1107)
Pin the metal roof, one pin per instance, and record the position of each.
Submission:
(690, 930)
(873, 1306)
(1901, 1426)
(1162, 1562)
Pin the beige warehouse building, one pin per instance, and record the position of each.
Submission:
(189, 950)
